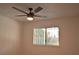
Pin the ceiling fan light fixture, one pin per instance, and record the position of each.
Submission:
(30, 18)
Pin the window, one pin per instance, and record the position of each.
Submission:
(46, 36)
(39, 36)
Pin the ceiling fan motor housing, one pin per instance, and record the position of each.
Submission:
(30, 14)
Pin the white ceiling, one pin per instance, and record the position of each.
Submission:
(51, 10)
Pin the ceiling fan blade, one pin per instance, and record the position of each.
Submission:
(39, 16)
(19, 10)
(21, 15)
(38, 9)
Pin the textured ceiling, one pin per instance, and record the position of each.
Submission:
(51, 10)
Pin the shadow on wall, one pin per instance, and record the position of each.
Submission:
(9, 36)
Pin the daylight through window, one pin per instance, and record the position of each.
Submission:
(46, 36)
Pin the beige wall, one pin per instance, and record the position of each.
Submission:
(10, 31)
(17, 39)
(69, 36)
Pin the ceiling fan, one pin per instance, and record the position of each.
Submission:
(31, 14)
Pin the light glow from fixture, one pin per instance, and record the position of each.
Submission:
(30, 18)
